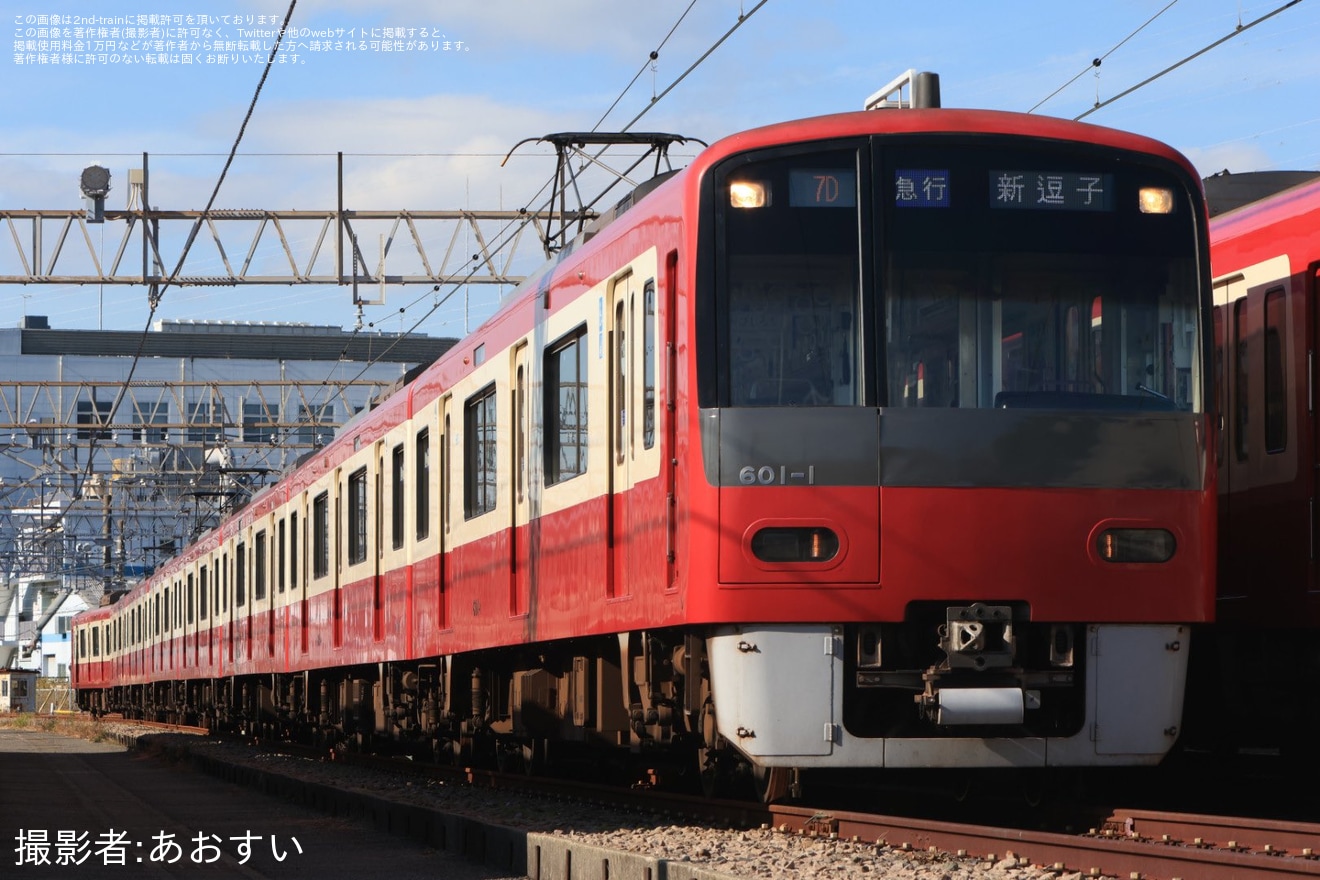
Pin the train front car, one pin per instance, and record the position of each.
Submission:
(951, 387)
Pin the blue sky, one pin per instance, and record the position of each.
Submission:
(427, 129)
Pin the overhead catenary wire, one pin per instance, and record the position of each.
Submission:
(229, 160)
(742, 19)
(1240, 29)
(1095, 63)
(518, 225)
(654, 56)
(154, 298)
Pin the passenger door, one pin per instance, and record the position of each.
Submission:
(1312, 300)
(521, 556)
(623, 431)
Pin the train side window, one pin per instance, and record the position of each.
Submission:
(259, 567)
(357, 516)
(281, 543)
(1220, 406)
(648, 364)
(520, 431)
(191, 594)
(621, 388)
(293, 549)
(1242, 411)
(202, 589)
(565, 442)
(240, 575)
(397, 490)
(447, 458)
(480, 453)
(1276, 394)
(321, 535)
(423, 494)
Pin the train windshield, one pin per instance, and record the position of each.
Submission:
(794, 282)
(970, 276)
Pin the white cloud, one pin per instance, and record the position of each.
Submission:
(1236, 158)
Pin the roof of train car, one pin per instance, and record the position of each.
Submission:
(1299, 199)
(940, 121)
(1286, 224)
(1227, 192)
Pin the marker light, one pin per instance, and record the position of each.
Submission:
(748, 194)
(1135, 545)
(1155, 200)
(814, 544)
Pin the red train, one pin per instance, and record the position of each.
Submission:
(880, 439)
(1257, 691)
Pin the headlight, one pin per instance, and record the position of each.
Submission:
(749, 194)
(810, 544)
(1135, 545)
(1155, 200)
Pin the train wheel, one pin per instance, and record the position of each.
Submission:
(717, 776)
(444, 751)
(535, 756)
(1035, 788)
(771, 784)
(716, 767)
(510, 757)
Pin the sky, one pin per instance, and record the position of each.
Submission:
(426, 125)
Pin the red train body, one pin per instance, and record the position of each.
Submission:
(872, 440)
(1266, 266)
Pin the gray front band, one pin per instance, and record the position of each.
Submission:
(858, 446)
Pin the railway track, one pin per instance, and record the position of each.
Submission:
(1131, 843)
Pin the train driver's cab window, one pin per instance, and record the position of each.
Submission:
(789, 280)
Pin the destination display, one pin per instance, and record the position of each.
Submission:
(921, 188)
(1018, 189)
(1051, 191)
(822, 188)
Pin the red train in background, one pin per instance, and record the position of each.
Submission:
(881, 439)
(1256, 680)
